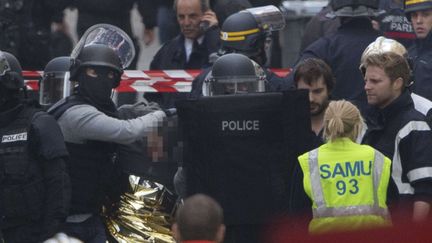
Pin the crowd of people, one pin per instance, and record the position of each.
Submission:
(360, 138)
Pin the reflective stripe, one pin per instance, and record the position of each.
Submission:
(404, 188)
(409, 2)
(318, 193)
(315, 179)
(350, 211)
(239, 38)
(240, 33)
(378, 169)
(419, 173)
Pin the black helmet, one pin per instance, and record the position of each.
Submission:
(10, 72)
(413, 6)
(97, 55)
(354, 8)
(240, 33)
(55, 83)
(234, 73)
(248, 31)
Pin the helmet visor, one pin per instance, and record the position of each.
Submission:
(234, 85)
(111, 36)
(54, 87)
(268, 17)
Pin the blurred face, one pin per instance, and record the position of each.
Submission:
(189, 16)
(318, 95)
(380, 90)
(422, 22)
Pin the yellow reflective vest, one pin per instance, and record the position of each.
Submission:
(347, 183)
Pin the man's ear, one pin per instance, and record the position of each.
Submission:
(398, 84)
(175, 232)
(220, 234)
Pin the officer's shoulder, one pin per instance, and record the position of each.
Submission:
(42, 119)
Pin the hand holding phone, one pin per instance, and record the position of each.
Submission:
(208, 20)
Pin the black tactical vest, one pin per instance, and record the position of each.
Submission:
(90, 166)
(21, 182)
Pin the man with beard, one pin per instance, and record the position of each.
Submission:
(400, 132)
(316, 76)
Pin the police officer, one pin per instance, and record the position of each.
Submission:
(347, 182)
(91, 127)
(234, 74)
(35, 189)
(55, 83)
(420, 15)
(237, 116)
(248, 33)
(342, 50)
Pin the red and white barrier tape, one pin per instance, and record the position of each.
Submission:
(145, 81)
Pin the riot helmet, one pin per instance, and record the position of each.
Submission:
(103, 45)
(354, 8)
(96, 55)
(55, 84)
(10, 72)
(11, 80)
(248, 31)
(413, 6)
(233, 74)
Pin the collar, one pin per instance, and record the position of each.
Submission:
(339, 142)
(401, 102)
(424, 43)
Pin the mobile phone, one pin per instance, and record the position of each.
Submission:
(204, 25)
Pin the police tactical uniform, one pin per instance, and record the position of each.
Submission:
(219, 130)
(348, 186)
(88, 120)
(35, 189)
(241, 33)
(402, 134)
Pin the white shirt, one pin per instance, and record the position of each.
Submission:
(189, 46)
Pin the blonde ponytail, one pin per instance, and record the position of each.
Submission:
(342, 119)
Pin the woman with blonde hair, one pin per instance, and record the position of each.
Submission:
(347, 182)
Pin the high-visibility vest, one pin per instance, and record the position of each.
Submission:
(347, 183)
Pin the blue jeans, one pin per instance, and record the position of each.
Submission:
(90, 231)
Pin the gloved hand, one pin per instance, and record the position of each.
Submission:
(170, 112)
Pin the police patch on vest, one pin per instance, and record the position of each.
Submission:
(14, 137)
